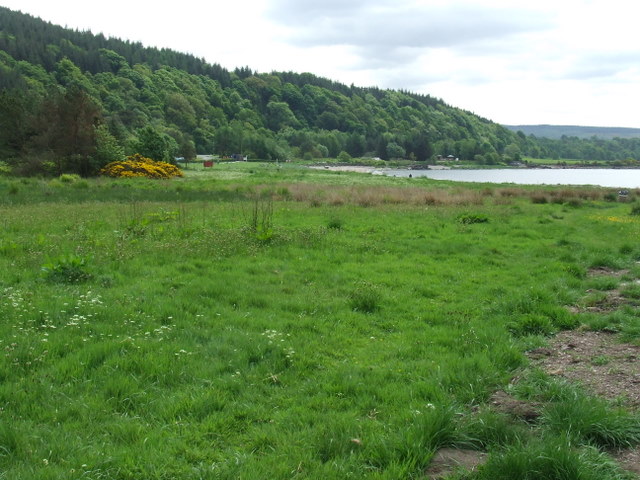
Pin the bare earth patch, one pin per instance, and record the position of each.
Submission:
(606, 271)
(597, 361)
(603, 366)
(448, 460)
(520, 409)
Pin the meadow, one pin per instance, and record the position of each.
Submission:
(275, 322)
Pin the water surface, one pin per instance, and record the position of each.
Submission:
(604, 177)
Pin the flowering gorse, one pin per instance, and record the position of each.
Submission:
(139, 166)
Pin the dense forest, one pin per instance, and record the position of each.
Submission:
(71, 101)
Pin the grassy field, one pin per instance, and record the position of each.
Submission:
(275, 322)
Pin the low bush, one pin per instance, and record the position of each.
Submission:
(539, 198)
(69, 177)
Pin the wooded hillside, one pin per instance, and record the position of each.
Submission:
(72, 101)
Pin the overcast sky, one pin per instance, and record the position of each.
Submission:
(565, 62)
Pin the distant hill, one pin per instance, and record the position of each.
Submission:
(558, 131)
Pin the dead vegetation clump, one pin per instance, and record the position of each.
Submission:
(319, 195)
(371, 196)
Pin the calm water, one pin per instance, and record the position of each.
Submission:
(605, 177)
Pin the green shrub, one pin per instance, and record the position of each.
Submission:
(5, 169)
(69, 177)
(344, 157)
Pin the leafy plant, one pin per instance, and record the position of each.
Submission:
(66, 269)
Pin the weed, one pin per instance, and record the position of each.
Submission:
(11, 441)
(626, 249)
(552, 459)
(631, 291)
(600, 360)
(603, 282)
(531, 324)
(66, 269)
(575, 270)
(69, 177)
(261, 217)
(490, 429)
(365, 298)
(591, 421)
(471, 218)
(335, 223)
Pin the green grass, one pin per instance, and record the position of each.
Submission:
(348, 326)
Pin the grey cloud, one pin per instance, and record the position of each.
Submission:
(382, 27)
(602, 66)
(303, 12)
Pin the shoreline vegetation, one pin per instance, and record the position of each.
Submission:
(269, 321)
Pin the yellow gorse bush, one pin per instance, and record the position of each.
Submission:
(139, 166)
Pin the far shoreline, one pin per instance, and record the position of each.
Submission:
(373, 170)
